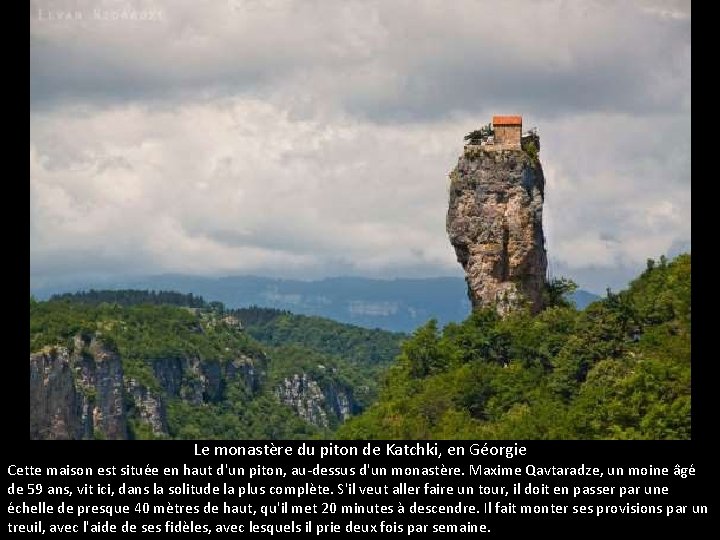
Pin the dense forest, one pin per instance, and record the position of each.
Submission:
(154, 333)
(620, 369)
(360, 345)
(273, 327)
(131, 297)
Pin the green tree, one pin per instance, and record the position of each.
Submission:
(557, 292)
(421, 355)
(560, 374)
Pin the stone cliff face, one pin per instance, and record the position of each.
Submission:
(78, 393)
(149, 407)
(494, 222)
(323, 405)
(55, 404)
(81, 392)
(198, 381)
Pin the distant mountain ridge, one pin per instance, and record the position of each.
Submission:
(398, 305)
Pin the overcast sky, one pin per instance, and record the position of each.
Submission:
(314, 138)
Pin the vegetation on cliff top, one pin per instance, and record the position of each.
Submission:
(147, 327)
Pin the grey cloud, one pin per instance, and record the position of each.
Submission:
(387, 61)
(314, 138)
(608, 237)
(679, 246)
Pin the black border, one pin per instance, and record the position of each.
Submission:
(699, 450)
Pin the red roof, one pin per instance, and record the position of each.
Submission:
(507, 121)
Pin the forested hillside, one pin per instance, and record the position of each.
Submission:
(396, 305)
(189, 369)
(620, 369)
(359, 345)
(176, 366)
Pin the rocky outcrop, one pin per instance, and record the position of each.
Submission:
(323, 405)
(250, 370)
(149, 407)
(81, 392)
(341, 402)
(77, 393)
(204, 381)
(303, 395)
(494, 222)
(55, 404)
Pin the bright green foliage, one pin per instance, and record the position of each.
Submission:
(558, 292)
(477, 135)
(358, 345)
(422, 356)
(143, 331)
(618, 370)
(132, 297)
(532, 151)
(332, 353)
(237, 417)
(148, 333)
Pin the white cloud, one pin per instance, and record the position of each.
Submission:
(236, 185)
(616, 177)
